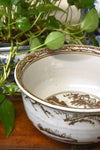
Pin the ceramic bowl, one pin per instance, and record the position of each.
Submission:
(61, 92)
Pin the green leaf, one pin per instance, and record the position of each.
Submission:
(2, 97)
(81, 3)
(72, 42)
(48, 7)
(52, 22)
(90, 21)
(75, 31)
(1, 24)
(11, 90)
(70, 2)
(32, 12)
(95, 42)
(55, 40)
(21, 11)
(7, 116)
(23, 23)
(1, 90)
(5, 2)
(16, 2)
(34, 42)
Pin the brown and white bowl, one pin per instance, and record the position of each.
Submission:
(61, 92)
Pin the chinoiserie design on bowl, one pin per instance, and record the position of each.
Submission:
(61, 92)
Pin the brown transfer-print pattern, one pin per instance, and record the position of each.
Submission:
(54, 100)
(74, 118)
(75, 99)
(72, 121)
(91, 119)
(46, 112)
(32, 102)
(85, 100)
(63, 135)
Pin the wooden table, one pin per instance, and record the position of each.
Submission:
(26, 136)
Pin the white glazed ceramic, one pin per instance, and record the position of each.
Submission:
(61, 92)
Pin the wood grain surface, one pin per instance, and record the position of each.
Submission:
(26, 136)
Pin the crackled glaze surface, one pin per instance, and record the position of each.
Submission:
(61, 92)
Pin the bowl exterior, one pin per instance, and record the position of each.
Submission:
(64, 126)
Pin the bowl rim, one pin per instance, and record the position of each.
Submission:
(89, 50)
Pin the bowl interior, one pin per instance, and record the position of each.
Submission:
(63, 72)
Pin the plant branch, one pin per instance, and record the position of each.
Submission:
(9, 22)
(36, 19)
(30, 50)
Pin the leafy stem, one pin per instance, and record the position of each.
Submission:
(34, 23)
(30, 50)
(9, 22)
